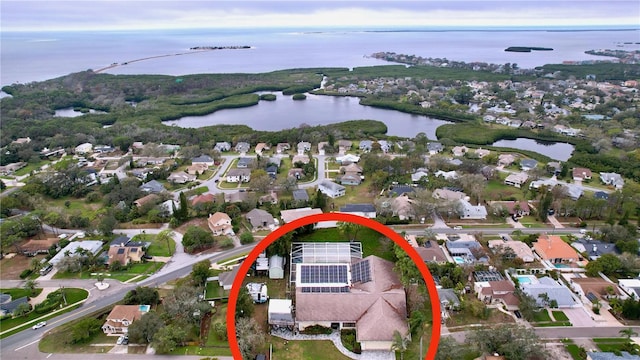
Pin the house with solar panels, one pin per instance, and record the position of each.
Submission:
(335, 287)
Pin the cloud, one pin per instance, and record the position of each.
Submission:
(153, 14)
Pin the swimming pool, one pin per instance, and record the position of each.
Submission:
(523, 279)
(560, 266)
(144, 308)
(459, 259)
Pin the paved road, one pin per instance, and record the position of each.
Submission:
(566, 332)
(23, 345)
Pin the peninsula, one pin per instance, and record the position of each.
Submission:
(220, 47)
(527, 48)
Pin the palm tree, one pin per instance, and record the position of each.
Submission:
(30, 285)
(628, 333)
(400, 343)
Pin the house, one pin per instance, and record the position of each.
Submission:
(34, 247)
(300, 159)
(321, 146)
(300, 195)
(574, 191)
(515, 208)
(419, 175)
(122, 316)
(197, 169)
(364, 210)
(506, 159)
(261, 219)
(471, 212)
(612, 179)
(516, 180)
(402, 207)
(448, 175)
(594, 248)
(153, 186)
(347, 159)
(222, 146)
(365, 145)
(166, 207)
(344, 146)
(554, 167)
(272, 171)
(11, 168)
(203, 159)
(220, 224)
(331, 189)
(488, 172)
(528, 164)
(181, 177)
(236, 196)
(448, 299)
(303, 147)
(271, 198)
(455, 162)
(459, 150)
(372, 301)
(9, 306)
(242, 147)
(349, 179)
(124, 254)
(297, 173)
(464, 250)
(295, 214)
(431, 252)
(448, 194)
(276, 267)
(631, 287)
(282, 147)
(600, 355)
(21, 141)
(500, 291)
(238, 175)
(280, 314)
(385, 146)
(434, 148)
(83, 149)
(398, 190)
(554, 290)
(202, 199)
(351, 168)
(518, 248)
(225, 279)
(482, 153)
(89, 246)
(260, 147)
(554, 250)
(147, 199)
(601, 195)
(594, 288)
(244, 163)
(581, 174)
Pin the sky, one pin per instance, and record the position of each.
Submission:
(87, 15)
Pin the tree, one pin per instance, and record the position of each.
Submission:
(260, 181)
(246, 238)
(282, 246)
(166, 237)
(200, 272)
(183, 304)
(85, 329)
(22, 309)
(250, 336)
(515, 342)
(142, 295)
(182, 214)
(474, 185)
(143, 330)
(244, 304)
(399, 343)
(30, 286)
(349, 229)
(167, 338)
(107, 224)
(196, 238)
(608, 264)
(320, 200)
(423, 203)
(450, 349)
(35, 264)
(628, 333)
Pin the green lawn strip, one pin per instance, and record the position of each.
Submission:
(373, 242)
(143, 268)
(227, 185)
(72, 295)
(574, 351)
(201, 351)
(156, 248)
(303, 349)
(552, 324)
(559, 315)
(541, 316)
(215, 291)
(17, 293)
(610, 347)
(57, 341)
(27, 169)
(609, 340)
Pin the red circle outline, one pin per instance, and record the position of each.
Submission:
(334, 216)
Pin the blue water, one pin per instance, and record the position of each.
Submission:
(145, 308)
(555, 150)
(458, 260)
(36, 56)
(523, 279)
(560, 266)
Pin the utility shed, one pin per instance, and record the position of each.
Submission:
(276, 267)
(280, 313)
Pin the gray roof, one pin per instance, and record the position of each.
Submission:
(300, 194)
(401, 189)
(244, 162)
(555, 291)
(434, 146)
(612, 356)
(331, 185)
(12, 305)
(594, 248)
(358, 208)
(448, 295)
(152, 186)
(530, 163)
(202, 159)
(259, 218)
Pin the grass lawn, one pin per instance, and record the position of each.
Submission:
(214, 346)
(215, 291)
(227, 185)
(497, 190)
(373, 243)
(541, 316)
(17, 293)
(157, 248)
(124, 275)
(33, 166)
(72, 295)
(559, 315)
(57, 340)
(609, 340)
(611, 347)
(575, 351)
(197, 191)
(303, 350)
(276, 288)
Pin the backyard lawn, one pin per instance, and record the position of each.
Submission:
(303, 350)
(143, 268)
(373, 243)
(157, 248)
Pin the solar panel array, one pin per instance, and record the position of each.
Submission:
(325, 289)
(326, 274)
(361, 272)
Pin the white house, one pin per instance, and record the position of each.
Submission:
(220, 224)
(83, 148)
(612, 179)
(364, 210)
(331, 189)
(121, 317)
(516, 180)
(238, 175)
(472, 212)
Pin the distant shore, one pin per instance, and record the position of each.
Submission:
(193, 50)
(527, 48)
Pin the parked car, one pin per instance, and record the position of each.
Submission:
(457, 227)
(120, 340)
(39, 325)
(125, 341)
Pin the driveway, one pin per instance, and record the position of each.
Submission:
(579, 317)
